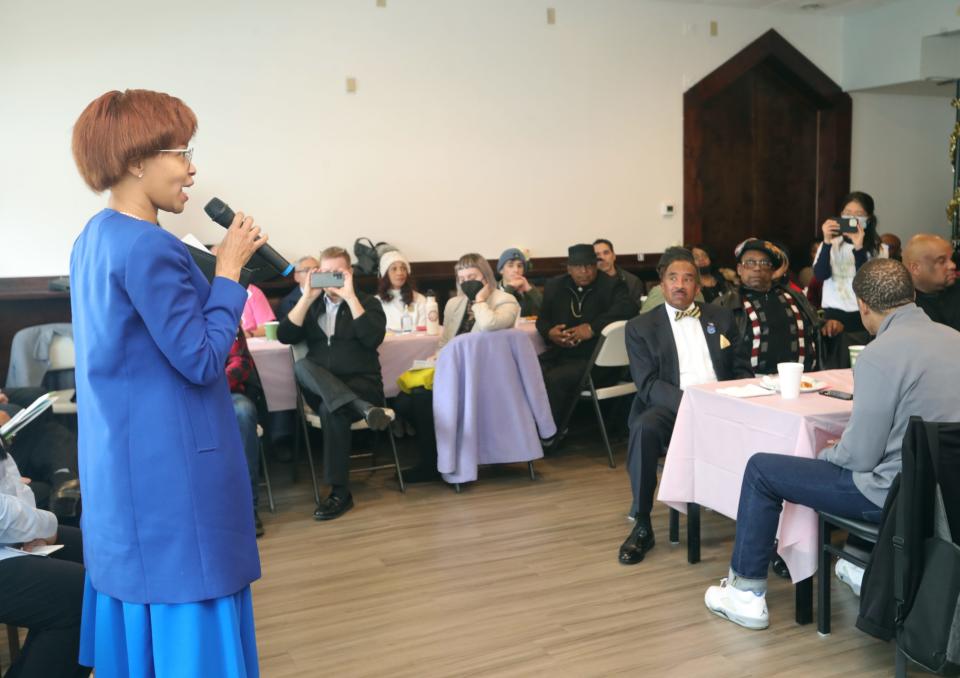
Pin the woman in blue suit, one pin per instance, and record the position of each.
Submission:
(169, 541)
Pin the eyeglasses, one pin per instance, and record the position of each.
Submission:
(185, 153)
(757, 263)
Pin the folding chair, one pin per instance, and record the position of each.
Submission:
(63, 357)
(611, 351)
(266, 472)
(310, 418)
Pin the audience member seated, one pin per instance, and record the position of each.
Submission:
(682, 344)
(893, 245)
(576, 308)
(47, 453)
(903, 373)
(43, 595)
(513, 267)
(929, 258)
(775, 323)
(301, 274)
(836, 263)
(256, 312)
(714, 288)
(340, 375)
(246, 392)
(607, 263)
(397, 293)
(478, 307)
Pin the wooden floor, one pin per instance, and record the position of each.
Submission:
(517, 578)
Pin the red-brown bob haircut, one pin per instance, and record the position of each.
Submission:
(119, 128)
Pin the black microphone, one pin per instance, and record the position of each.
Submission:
(221, 213)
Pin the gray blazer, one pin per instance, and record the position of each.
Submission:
(910, 369)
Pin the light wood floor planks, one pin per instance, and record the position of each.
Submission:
(517, 578)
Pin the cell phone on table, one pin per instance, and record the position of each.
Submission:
(327, 279)
(842, 395)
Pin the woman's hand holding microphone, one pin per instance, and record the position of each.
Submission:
(243, 238)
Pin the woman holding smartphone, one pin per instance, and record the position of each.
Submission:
(840, 256)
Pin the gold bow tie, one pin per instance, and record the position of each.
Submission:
(689, 313)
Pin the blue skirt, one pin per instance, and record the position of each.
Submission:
(208, 639)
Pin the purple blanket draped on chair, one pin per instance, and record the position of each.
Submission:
(489, 403)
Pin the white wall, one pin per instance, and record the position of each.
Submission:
(900, 157)
(475, 127)
(883, 46)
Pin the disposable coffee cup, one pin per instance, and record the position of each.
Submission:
(790, 374)
(854, 354)
(270, 329)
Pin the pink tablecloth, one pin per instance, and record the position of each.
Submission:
(716, 434)
(397, 352)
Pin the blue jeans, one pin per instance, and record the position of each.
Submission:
(246, 413)
(768, 481)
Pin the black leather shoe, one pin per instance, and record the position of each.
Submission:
(65, 500)
(377, 419)
(333, 507)
(258, 524)
(637, 544)
(779, 567)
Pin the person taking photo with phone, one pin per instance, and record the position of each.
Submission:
(340, 376)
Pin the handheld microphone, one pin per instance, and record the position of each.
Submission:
(221, 213)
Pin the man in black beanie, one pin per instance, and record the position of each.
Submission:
(576, 307)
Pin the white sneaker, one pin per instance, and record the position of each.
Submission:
(745, 608)
(850, 574)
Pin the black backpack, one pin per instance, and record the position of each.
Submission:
(368, 255)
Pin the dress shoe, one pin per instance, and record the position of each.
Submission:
(258, 524)
(377, 418)
(65, 500)
(637, 544)
(333, 507)
(779, 567)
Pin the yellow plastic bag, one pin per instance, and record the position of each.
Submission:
(412, 379)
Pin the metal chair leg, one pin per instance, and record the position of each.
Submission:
(603, 428)
(823, 580)
(456, 488)
(266, 479)
(900, 669)
(533, 474)
(674, 526)
(396, 461)
(309, 448)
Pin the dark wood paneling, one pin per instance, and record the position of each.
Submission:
(766, 150)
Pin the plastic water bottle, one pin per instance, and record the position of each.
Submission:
(406, 320)
(433, 314)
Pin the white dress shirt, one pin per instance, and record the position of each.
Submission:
(693, 354)
(328, 321)
(20, 519)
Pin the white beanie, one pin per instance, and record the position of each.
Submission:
(388, 259)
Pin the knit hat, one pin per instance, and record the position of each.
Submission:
(510, 255)
(388, 259)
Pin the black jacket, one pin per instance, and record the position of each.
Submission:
(942, 307)
(607, 301)
(655, 364)
(812, 359)
(353, 347)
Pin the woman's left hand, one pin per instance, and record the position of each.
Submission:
(857, 238)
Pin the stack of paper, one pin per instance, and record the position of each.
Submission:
(747, 391)
(26, 415)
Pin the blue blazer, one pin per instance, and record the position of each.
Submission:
(167, 510)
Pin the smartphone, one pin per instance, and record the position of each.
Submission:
(847, 224)
(842, 395)
(329, 279)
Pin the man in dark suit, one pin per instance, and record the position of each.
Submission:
(340, 376)
(575, 309)
(682, 344)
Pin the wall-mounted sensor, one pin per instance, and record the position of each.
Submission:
(666, 209)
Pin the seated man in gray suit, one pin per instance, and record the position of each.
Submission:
(681, 344)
